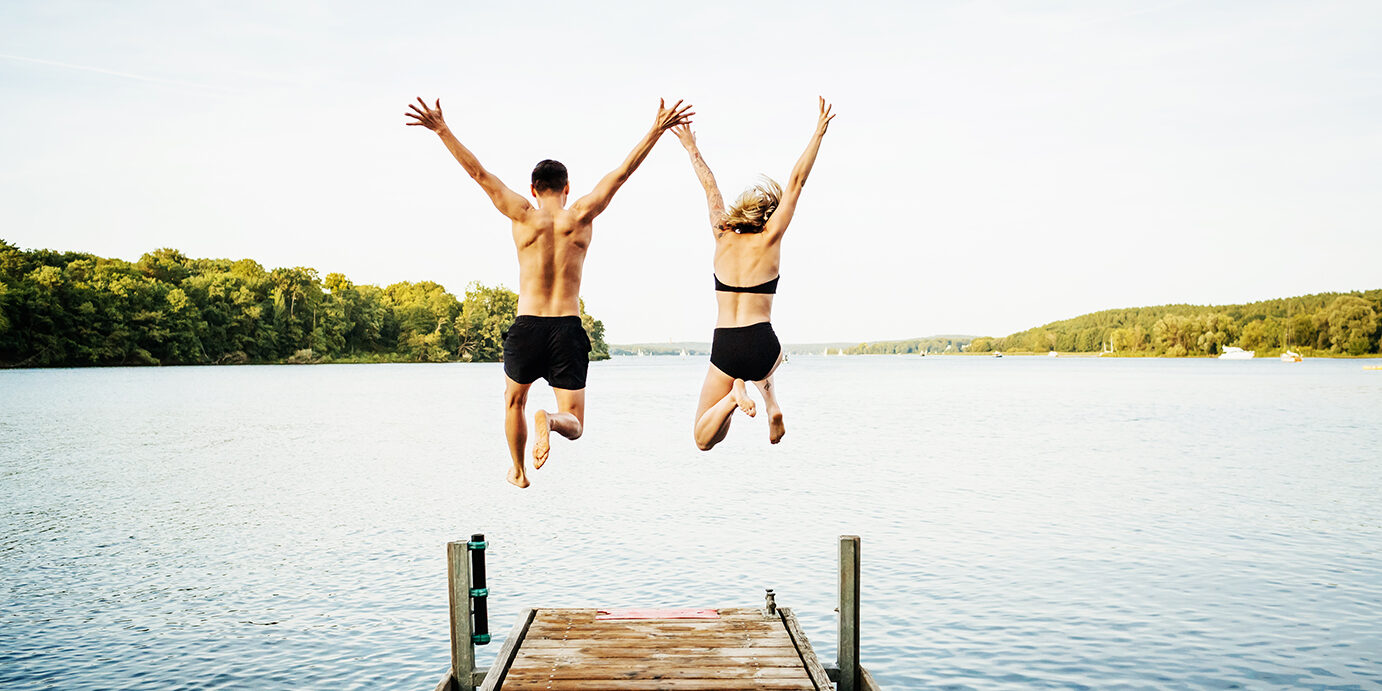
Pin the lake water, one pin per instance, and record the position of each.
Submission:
(1026, 522)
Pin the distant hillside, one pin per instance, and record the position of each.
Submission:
(702, 348)
(669, 348)
(835, 348)
(928, 344)
(1320, 324)
(932, 344)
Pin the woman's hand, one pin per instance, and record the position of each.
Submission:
(824, 121)
(687, 137)
(430, 118)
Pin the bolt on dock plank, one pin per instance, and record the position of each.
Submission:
(566, 649)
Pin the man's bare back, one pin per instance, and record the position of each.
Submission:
(551, 244)
(547, 339)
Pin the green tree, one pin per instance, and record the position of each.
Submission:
(595, 329)
(1260, 334)
(1352, 323)
(486, 314)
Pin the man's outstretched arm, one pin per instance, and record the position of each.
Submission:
(592, 204)
(707, 178)
(509, 203)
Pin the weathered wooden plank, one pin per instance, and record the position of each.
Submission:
(550, 632)
(657, 684)
(670, 624)
(699, 672)
(654, 636)
(662, 652)
(703, 661)
(849, 613)
(776, 640)
(868, 682)
(813, 665)
(458, 589)
(445, 683)
(589, 615)
(512, 645)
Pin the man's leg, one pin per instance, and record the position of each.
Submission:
(515, 427)
(568, 421)
(720, 395)
(568, 365)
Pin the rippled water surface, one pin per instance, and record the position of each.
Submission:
(1025, 521)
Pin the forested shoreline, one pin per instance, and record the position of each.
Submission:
(930, 344)
(75, 309)
(1323, 324)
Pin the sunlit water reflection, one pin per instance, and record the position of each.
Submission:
(1026, 521)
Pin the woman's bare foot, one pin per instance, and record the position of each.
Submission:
(542, 444)
(517, 478)
(741, 398)
(775, 427)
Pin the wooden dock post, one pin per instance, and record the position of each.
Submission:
(462, 645)
(848, 657)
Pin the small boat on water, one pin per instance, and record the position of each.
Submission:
(997, 354)
(1291, 356)
(1053, 354)
(1236, 353)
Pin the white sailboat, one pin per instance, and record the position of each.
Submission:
(1236, 353)
(1290, 355)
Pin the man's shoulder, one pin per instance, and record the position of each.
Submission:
(572, 219)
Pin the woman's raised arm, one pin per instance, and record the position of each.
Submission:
(788, 206)
(707, 178)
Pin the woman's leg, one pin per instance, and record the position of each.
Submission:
(720, 395)
(769, 390)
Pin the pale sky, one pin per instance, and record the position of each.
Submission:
(994, 165)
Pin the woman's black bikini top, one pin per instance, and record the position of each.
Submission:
(766, 288)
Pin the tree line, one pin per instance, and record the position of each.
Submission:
(933, 344)
(74, 308)
(1320, 324)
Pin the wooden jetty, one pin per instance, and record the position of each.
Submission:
(564, 649)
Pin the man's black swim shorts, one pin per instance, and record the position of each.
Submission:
(554, 348)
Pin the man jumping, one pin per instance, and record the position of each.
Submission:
(547, 339)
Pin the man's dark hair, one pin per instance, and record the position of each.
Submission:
(549, 176)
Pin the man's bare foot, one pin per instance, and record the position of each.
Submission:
(741, 398)
(775, 427)
(542, 444)
(517, 478)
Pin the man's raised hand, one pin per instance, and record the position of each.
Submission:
(428, 117)
(667, 118)
(825, 117)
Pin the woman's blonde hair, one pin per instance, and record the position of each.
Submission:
(753, 208)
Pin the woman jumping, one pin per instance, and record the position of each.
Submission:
(748, 254)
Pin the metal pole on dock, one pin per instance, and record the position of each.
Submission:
(479, 591)
(848, 657)
(462, 645)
